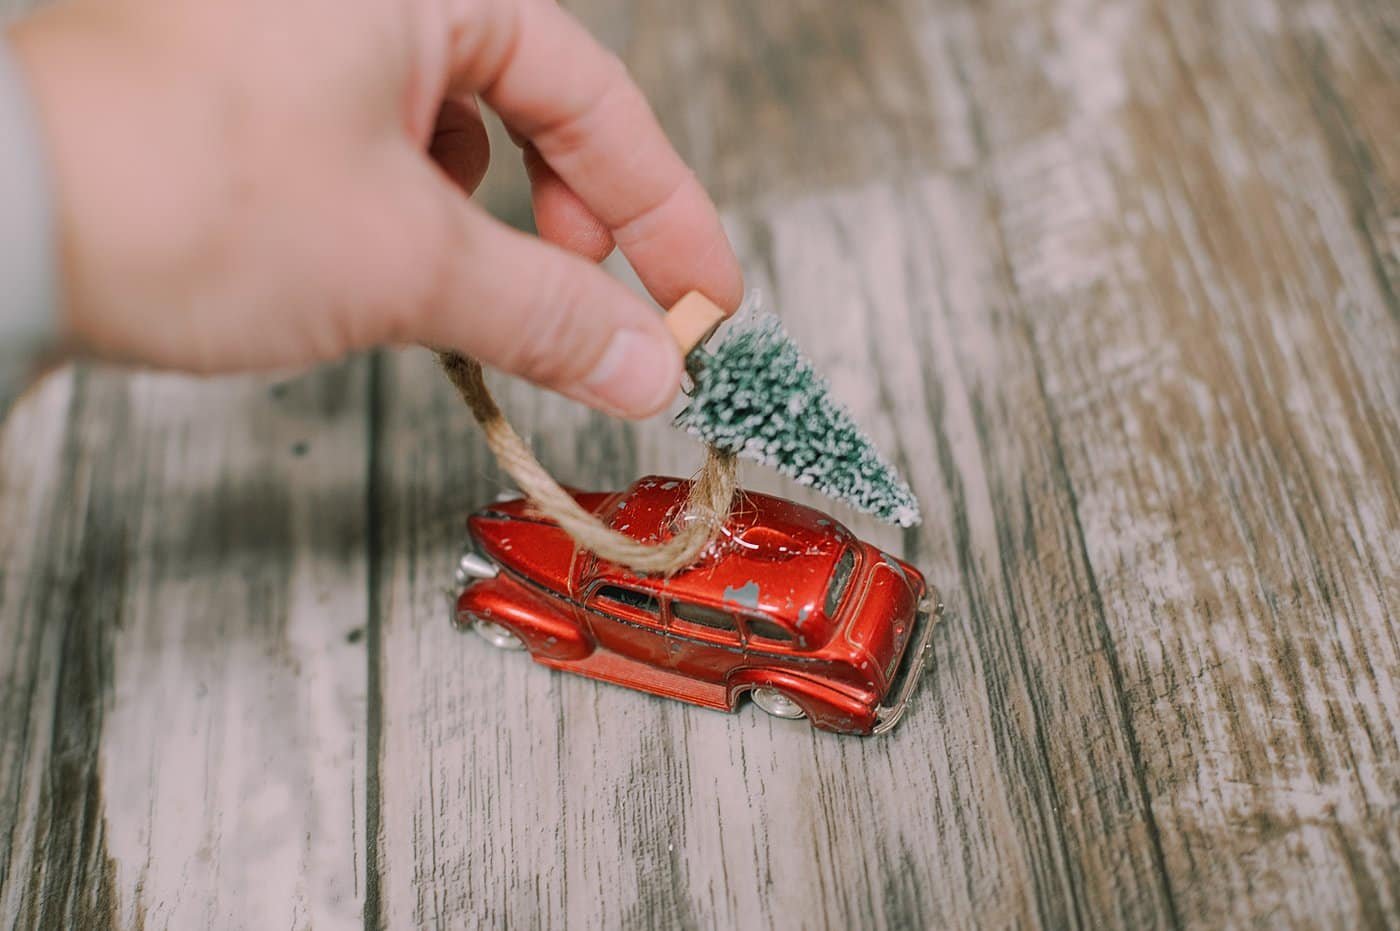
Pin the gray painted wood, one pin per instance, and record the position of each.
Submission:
(182, 677)
(1114, 281)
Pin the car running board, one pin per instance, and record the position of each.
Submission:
(607, 666)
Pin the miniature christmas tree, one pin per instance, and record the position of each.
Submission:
(760, 398)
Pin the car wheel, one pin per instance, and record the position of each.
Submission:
(494, 634)
(777, 704)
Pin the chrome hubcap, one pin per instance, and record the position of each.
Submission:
(777, 704)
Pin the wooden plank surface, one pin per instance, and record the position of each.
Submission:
(182, 674)
(1115, 282)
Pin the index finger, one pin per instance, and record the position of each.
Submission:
(552, 83)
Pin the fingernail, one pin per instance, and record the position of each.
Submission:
(636, 376)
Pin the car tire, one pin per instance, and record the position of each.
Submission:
(499, 637)
(777, 703)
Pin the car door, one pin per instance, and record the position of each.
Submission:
(628, 621)
(705, 642)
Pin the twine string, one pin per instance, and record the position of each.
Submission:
(706, 508)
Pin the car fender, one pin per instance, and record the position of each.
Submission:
(542, 621)
(827, 707)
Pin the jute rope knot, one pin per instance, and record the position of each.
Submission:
(706, 509)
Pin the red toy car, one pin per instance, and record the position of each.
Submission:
(787, 607)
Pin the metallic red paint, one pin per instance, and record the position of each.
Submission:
(753, 613)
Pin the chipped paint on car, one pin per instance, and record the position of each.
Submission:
(746, 594)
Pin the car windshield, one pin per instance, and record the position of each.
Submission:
(840, 580)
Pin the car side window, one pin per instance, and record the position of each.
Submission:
(764, 629)
(630, 598)
(704, 616)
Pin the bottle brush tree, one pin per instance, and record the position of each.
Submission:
(757, 396)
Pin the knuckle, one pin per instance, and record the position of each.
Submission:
(613, 90)
(486, 35)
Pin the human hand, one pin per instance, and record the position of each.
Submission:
(259, 185)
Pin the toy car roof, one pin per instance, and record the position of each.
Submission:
(773, 556)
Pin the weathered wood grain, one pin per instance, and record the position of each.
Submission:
(1116, 282)
(1243, 533)
(183, 685)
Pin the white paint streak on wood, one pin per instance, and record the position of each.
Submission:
(1226, 532)
(184, 725)
(233, 751)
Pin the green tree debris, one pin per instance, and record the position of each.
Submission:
(760, 398)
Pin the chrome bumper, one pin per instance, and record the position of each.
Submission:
(911, 666)
(471, 567)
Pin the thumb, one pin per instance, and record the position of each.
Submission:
(530, 308)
